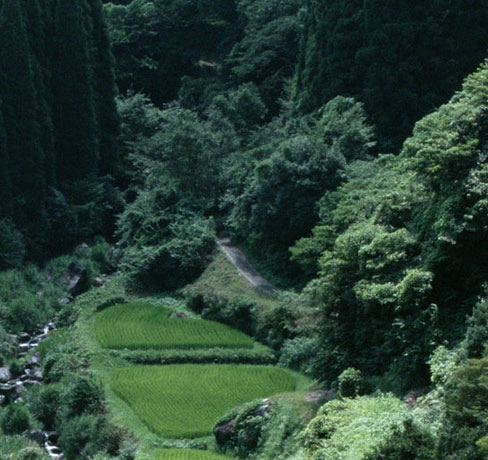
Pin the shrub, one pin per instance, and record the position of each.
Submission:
(15, 419)
(44, 401)
(81, 394)
(12, 245)
(298, 353)
(351, 383)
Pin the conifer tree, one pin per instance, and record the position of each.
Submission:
(400, 58)
(105, 91)
(5, 192)
(36, 18)
(74, 115)
(17, 89)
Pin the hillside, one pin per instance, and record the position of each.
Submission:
(335, 151)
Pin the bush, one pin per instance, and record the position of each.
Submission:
(237, 312)
(44, 401)
(12, 245)
(298, 353)
(351, 383)
(81, 394)
(15, 419)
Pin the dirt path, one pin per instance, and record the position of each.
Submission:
(237, 257)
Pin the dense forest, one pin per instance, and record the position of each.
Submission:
(341, 144)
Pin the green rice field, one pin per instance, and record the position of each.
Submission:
(184, 401)
(186, 454)
(146, 326)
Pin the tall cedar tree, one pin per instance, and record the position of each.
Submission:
(37, 26)
(5, 190)
(74, 114)
(105, 92)
(20, 109)
(58, 120)
(389, 55)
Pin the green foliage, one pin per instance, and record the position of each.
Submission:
(20, 448)
(256, 355)
(476, 337)
(298, 353)
(260, 429)
(15, 419)
(12, 246)
(194, 396)
(141, 326)
(161, 41)
(186, 454)
(350, 383)
(267, 50)
(279, 202)
(388, 56)
(410, 442)
(356, 429)
(84, 435)
(58, 117)
(170, 250)
(27, 299)
(466, 416)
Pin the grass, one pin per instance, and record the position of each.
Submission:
(186, 454)
(222, 279)
(147, 326)
(184, 401)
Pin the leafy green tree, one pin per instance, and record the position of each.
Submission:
(279, 203)
(160, 41)
(466, 416)
(165, 243)
(267, 52)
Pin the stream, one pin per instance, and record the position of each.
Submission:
(11, 388)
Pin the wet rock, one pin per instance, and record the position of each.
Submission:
(5, 375)
(224, 432)
(76, 278)
(38, 436)
(24, 337)
(36, 375)
(33, 361)
(65, 301)
(9, 391)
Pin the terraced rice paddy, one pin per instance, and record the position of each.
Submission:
(146, 326)
(186, 454)
(184, 401)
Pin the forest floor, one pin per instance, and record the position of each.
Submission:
(245, 269)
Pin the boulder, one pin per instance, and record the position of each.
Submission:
(10, 392)
(224, 432)
(5, 375)
(33, 361)
(24, 337)
(76, 278)
(38, 436)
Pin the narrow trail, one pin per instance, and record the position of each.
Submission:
(239, 260)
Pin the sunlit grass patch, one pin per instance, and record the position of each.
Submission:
(184, 401)
(186, 454)
(147, 326)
